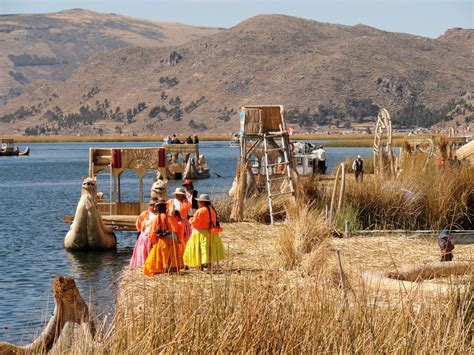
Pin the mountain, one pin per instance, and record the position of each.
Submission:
(323, 74)
(51, 46)
(459, 36)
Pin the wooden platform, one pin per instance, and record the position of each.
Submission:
(122, 222)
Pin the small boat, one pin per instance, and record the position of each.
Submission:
(235, 141)
(8, 149)
(185, 162)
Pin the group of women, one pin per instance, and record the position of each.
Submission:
(179, 233)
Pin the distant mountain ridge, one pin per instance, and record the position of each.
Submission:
(459, 36)
(51, 46)
(322, 73)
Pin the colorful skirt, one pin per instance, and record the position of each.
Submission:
(163, 257)
(203, 248)
(141, 250)
(187, 229)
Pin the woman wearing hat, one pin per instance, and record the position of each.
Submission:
(179, 208)
(191, 193)
(143, 245)
(163, 256)
(205, 245)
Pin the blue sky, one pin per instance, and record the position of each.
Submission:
(428, 18)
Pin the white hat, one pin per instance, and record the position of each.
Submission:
(204, 198)
(359, 157)
(179, 191)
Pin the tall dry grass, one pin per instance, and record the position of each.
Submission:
(279, 312)
(304, 239)
(422, 197)
(293, 306)
(256, 208)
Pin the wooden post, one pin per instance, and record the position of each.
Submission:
(91, 162)
(342, 190)
(140, 179)
(333, 197)
(119, 197)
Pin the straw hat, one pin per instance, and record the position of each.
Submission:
(204, 198)
(179, 191)
(160, 201)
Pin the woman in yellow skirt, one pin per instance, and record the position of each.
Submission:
(163, 256)
(205, 245)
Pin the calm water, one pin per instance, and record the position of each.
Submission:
(35, 193)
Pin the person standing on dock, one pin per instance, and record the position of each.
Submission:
(205, 245)
(445, 245)
(143, 246)
(358, 167)
(163, 256)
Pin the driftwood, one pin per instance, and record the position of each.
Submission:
(70, 316)
(406, 278)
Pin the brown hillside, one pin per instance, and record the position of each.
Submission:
(266, 59)
(460, 36)
(51, 46)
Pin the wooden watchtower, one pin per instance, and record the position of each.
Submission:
(264, 135)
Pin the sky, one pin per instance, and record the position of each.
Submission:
(429, 18)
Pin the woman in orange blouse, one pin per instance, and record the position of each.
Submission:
(205, 245)
(163, 256)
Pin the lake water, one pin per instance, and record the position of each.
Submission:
(36, 192)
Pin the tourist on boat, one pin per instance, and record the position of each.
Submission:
(195, 139)
(445, 245)
(320, 155)
(358, 167)
(175, 140)
(191, 194)
(205, 245)
(188, 140)
(163, 256)
(143, 245)
(168, 140)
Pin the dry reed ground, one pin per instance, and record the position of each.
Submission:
(252, 302)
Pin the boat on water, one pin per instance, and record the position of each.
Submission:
(8, 149)
(185, 162)
(235, 141)
(108, 165)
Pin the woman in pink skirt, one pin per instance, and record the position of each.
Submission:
(143, 245)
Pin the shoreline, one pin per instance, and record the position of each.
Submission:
(333, 140)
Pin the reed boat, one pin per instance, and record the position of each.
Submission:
(8, 149)
(107, 167)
